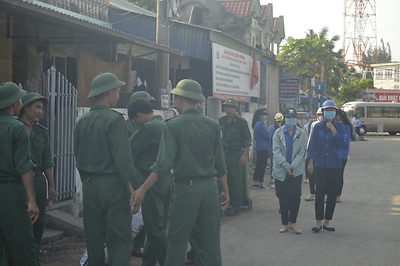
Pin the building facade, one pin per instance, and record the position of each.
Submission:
(386, 75)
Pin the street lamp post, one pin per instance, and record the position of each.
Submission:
(162, 63)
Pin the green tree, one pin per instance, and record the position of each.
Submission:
(150, 5)
(313, 56)
(328, 57)
(353, 85)
(299, 56)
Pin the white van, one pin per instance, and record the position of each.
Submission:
(376, 116)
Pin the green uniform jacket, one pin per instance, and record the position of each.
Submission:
(188, 132)
(145, 143)
(132, 127)
(14, 149)
(235, 135)
(40, 149)
(101, 146)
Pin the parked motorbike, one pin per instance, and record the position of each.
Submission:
(360, 132)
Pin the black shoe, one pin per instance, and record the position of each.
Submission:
(316, 229)
(137, 252)
(231, 212)
(330, 229)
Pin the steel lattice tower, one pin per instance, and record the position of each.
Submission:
(359, 30)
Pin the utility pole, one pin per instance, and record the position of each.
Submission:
(311, 95)
(162, 63)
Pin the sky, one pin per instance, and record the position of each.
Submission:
(302, 15)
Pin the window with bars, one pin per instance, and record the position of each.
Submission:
(379, 74)
(388, 73)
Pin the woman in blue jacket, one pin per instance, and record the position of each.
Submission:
(326, 140)
(261, 146)
(345, 150)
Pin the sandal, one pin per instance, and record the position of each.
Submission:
(309, 198)
(316, 229)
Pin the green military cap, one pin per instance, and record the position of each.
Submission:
(231, 102)
(33, 96)
(104, 82)
(189, 88)
(141, 95)
(9, 94)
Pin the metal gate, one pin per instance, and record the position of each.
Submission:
(60, 117)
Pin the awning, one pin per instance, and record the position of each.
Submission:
(44, 12)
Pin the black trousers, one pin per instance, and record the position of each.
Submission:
(289, 193)
(327, 181)
(341, 180)
(261, 165)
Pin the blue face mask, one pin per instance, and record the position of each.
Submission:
(290, 122)
(329, 114)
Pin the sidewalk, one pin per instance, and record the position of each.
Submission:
(57, 220)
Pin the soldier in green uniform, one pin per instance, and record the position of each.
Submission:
(30, 115)
(144, 145)
(236, 140)
(18, 209)
(191, 145)
(105, 165)
(131, 124)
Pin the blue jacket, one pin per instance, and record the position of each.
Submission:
(261, 137)
(280, 167)
(345, 150)
(324, 148)
(271, 130)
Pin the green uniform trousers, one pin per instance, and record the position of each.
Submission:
(155, 207)
(107, 219)
(193, 253)
(234, 178)
(140, 238)
(16, 233)
(194, 205)
(39, 182)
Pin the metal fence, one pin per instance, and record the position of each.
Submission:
(60, 118)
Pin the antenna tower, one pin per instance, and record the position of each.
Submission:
(359, 31)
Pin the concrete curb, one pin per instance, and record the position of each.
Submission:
(73, 226)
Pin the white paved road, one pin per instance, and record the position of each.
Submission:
(367, 221)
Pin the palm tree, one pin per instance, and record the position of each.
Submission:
(378, 55)
(328, 57)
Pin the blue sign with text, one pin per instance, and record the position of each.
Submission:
(320, 88)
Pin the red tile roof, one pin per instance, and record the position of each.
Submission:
(238, 8)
